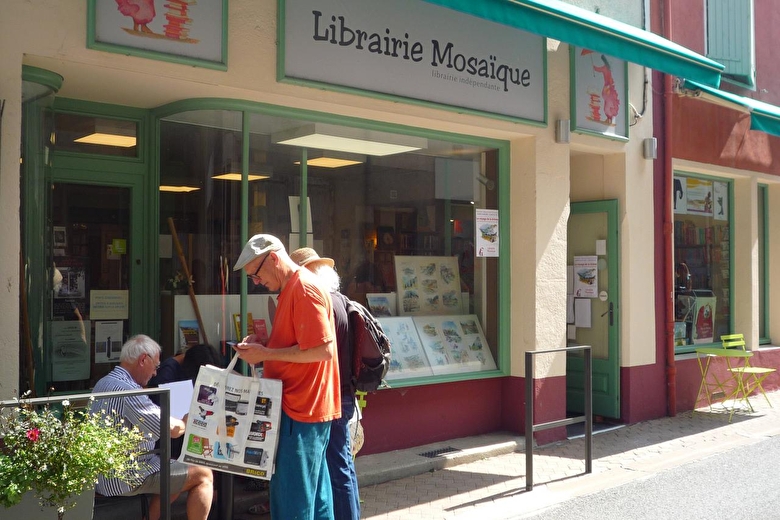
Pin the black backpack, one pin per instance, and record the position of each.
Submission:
(371, 352)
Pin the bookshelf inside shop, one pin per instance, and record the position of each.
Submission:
(702, 280)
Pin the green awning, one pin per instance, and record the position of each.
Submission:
(763, 116)
(582, 28)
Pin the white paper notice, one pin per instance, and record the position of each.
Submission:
(582, 313)
(571, 332)
(181, 397)
(487, 232)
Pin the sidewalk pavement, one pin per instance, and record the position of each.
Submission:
(483, 477)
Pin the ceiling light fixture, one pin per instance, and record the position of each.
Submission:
(235, 176)
(346, 139)
(111, 132)
(178, 189)
(329, 162)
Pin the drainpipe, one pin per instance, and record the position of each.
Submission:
(668, 226)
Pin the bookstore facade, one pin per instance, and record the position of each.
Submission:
(460, 193)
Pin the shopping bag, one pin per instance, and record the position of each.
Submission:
(233, 422)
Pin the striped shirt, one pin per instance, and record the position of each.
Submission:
(137, 410)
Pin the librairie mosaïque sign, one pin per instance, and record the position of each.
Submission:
(418, 50)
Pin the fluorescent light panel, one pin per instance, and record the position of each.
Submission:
(111, 132)
(329, 162)
(237, 177)
(345, 139)
(179, 189)
(100, 138)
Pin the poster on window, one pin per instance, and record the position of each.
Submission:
(680, 196)
(70, 350)
(108, 341)
(74, 277)
(699, 193)
(586, 276)
(721, 197)
(704, 319)
(486, 231)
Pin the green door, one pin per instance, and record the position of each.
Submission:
(97, 257)
(596, 311)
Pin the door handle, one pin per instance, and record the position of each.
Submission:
(611, 314)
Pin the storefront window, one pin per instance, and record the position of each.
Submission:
(395, 212)
(702, 252)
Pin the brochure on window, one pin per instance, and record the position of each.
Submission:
(454, 343)
(428, 285)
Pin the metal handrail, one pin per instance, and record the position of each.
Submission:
(165, 429)
(530, 427)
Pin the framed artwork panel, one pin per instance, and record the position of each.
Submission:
(599, 94)
(181, 31)
(427, 285)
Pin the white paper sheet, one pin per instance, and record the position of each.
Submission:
(582, 313)
(181, 396)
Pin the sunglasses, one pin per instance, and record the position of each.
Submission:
(254, 277)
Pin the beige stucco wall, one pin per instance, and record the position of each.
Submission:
(51, 34)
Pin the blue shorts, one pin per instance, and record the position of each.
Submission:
(300, 486)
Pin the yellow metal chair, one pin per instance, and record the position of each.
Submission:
(749, 378)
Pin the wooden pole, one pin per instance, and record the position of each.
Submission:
(28, 346)
(186, 269)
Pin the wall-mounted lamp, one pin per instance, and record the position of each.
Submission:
(487, 183)
(650, 148)
(562, 135)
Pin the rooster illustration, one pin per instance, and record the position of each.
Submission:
(141, 11)
(609, 94)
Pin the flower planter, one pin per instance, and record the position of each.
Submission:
(30, 509)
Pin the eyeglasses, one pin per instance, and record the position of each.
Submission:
(254, 277)
(158, 364)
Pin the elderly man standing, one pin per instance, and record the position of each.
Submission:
(301, 352)
(138, 362)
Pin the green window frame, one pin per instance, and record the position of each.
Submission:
(763, 265)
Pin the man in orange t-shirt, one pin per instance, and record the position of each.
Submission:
(301, 352)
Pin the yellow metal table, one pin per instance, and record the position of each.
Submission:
(728, 387)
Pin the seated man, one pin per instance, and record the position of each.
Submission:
(138, 362)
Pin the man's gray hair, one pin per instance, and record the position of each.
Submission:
(138, 345)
